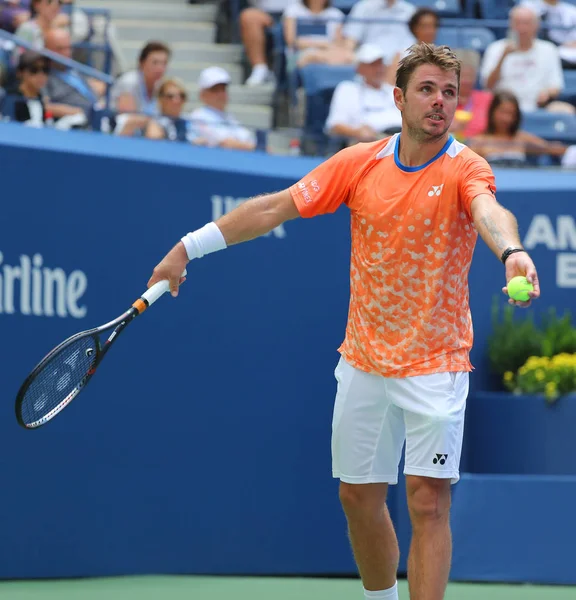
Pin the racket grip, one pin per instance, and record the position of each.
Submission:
(158, 289)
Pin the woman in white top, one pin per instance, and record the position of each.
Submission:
(45, 15)
(313, 34)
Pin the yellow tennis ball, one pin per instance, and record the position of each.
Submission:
(518, 288)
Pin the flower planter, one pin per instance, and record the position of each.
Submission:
(517, 434)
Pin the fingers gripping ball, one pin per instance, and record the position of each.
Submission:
(518, 288)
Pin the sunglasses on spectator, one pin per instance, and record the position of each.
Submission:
(180, 95)
(38, 69)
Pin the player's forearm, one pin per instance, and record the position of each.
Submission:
(497, 226)
(257, 217)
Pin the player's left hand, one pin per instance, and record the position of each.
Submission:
(517, 264)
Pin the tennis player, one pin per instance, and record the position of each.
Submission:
(417, 201)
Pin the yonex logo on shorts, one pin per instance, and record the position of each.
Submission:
(440, 458)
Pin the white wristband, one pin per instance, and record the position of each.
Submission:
(204, 241)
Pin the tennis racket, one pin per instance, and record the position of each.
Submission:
(65, 371)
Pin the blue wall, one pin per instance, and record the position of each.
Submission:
(202, 446)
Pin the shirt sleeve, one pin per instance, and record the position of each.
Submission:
(476, 178)
(555, 74)
(343, 106)
(328, 186)
(490, 60)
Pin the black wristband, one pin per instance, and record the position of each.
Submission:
(509, 251)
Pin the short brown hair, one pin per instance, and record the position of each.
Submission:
(175, 83)
(426, 54)
(153, 47)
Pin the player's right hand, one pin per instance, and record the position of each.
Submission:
(171, 268)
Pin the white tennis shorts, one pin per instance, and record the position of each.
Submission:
(375, 415)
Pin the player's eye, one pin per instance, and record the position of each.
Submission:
(426, 88)
(449, 92)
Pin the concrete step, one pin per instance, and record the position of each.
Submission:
(188, 51)
(168, 31)
(241, 94)
(154, 10)
(188, 72)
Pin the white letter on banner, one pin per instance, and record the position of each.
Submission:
(75, 288)
(566, 229)
(566, 269)
(540, 232)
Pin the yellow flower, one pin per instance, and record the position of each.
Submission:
(508, 376)
(540, 375)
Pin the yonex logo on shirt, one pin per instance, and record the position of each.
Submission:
(435, 190)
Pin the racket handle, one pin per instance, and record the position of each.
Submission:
(152, 294)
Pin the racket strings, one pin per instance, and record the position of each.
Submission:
(59, 377)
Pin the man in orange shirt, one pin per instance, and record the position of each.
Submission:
(417, 201)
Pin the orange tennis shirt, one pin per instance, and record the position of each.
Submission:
(412, 245)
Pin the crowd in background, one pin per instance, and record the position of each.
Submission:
(515, 75)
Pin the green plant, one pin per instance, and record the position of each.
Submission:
(513, 340)
(559, 336)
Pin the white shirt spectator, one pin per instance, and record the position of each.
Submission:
(331, 15)
(355, 104)
(132, 82)
(525, 74)
(393, 37)
(215, 126)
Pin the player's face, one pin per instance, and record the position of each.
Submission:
(429, 104)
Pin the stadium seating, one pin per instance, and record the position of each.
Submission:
(495, 9)
(551, 126)
(475, 38)
(442, 7)
(319, 83)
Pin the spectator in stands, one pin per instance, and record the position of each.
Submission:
(70, 92)
(504, 143)
(560, 20)
(364, 109)
(325, 44)
(471, 117)
(216, 126)
(25, 102)
(13, 13)
(423, 26)
(254, 21)
(136, 91)
(393, 36)
(45, 16)
(170, 125)
(529, 67)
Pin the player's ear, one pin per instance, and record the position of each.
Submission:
(398, 98)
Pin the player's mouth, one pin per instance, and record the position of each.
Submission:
(435, 118)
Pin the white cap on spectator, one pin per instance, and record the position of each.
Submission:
(369, 53)
(213, 76)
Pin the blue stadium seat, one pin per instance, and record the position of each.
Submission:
(316, 78)
(319, 82)
(475, 38)
(442, 7)
(344, 5)
(495, 9)
(550, 126)
(569, 82)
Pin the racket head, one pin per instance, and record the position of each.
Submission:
(57, 379)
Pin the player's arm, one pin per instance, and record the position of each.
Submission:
(248, 221)
(499, 229)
